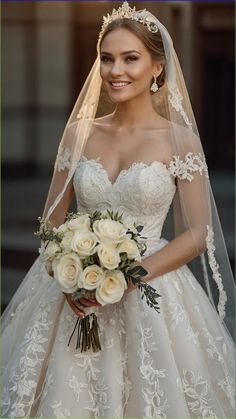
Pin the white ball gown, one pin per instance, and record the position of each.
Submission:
(176, 364)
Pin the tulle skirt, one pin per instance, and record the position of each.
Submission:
(176, 364)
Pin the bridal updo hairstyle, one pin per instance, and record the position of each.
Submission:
(152, 41)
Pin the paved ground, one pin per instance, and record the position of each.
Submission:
(22, 203)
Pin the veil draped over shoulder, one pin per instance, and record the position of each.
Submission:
(194, 208)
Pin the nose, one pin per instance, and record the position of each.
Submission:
(117, 69)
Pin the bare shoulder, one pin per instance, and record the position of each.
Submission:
(186, 139)
(99, 137)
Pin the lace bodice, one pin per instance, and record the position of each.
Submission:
(143, 192)
(189, 372)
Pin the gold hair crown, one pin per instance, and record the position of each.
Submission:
(125, 11)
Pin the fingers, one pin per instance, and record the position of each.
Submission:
(80, 313)
(89, 302)
(83, 301)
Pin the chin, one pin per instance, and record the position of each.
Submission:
(122, 98)
(119, 100)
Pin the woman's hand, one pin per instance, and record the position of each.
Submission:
(86, 302)
(130, 288)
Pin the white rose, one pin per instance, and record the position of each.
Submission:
(91, 277)
(66, 271)
(109, 230)
(130, 247)
(112, 288)
(84, 243)
(51, 250)
(108, 256)
(61, 229)
(81, 223)
(66, 241)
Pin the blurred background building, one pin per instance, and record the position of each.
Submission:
(47, 51)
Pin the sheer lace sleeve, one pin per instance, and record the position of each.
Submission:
(184, 168)
(193, 208)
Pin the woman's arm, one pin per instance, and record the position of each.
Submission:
(192, 242)
(175, 254)
(59, 214)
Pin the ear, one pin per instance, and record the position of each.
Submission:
(157, 68)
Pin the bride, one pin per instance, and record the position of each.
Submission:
(131, 144)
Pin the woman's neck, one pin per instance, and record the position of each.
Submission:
(135, 114)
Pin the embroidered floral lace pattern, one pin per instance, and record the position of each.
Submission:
(217, 351)
(153, 394)
(196, 390)
(176, 100)
(183, 169)
(31, 352)
(63, 160)
(178, 363)
(215, 270)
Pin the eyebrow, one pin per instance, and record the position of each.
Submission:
(123, 53)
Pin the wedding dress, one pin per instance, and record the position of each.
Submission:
(179, 363)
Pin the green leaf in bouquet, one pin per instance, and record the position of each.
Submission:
(124, 260)
(136, 271)
(123, 256)
(142, 247)
(139, 228)
(82, 292)
(113, 215)
(135, 274)
(110, 214)
(96, 215)
(45, 231)
(118, 217)
(151, 295)
(69, 216)
(88, 260)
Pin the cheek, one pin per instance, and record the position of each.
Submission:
(141, 72)
(104, 71)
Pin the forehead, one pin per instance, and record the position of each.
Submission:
(122, 39)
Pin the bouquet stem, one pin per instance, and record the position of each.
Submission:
(87, 333)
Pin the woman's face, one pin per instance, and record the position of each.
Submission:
(126, 66)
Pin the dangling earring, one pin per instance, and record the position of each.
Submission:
(154, 87)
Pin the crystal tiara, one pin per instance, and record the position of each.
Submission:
(125, 11)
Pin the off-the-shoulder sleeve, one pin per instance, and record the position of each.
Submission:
(63, 160)
(183, 168)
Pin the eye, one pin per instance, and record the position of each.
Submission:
(105, 59)
(131, 58)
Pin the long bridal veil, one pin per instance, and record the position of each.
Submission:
(194, 207)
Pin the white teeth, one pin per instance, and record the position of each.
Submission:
(120, 84)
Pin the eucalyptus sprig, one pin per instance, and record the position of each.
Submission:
(114, 215)
(135, 274)
(46, 232)
(71, 215)
(96, 215)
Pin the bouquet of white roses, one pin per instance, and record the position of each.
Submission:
(91, 256)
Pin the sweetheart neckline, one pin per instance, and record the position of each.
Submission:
(134, 164)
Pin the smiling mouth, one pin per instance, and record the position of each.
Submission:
(119, 85)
